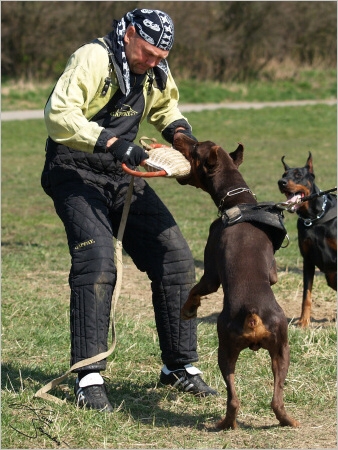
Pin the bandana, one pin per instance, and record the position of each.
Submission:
(158, 33)
(154, 26)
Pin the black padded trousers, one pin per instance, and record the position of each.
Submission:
(91, 215)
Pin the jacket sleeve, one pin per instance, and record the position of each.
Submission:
(165, 110)
(70, 106)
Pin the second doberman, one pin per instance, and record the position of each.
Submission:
(317, 228)
(239, 255)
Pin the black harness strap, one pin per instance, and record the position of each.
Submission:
(266, 214)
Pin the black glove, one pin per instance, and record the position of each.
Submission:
(127, 152)
(187, 133)
(169, 131)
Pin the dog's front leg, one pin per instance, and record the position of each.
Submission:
(189, 309)
(308, 275)
(203, 287)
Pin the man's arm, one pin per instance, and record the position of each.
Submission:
(76, 98)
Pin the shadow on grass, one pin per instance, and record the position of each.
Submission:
(139, 400)
(142, 401)
(16, 380)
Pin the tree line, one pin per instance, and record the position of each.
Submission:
(214, 40)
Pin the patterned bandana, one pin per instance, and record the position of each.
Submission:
(154, 26)
(157, 33)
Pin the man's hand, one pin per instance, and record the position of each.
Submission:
(127, 152)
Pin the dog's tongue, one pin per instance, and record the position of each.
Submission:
(294, 199)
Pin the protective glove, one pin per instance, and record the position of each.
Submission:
(127, 152)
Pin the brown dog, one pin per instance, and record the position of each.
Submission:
(317, 229)
(241, 258)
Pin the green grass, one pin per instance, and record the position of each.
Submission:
(304, 84)
(35, 316)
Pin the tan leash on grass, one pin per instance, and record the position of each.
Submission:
(175, 165)
(43, 392)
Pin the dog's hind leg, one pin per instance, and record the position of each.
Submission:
(280, 358)
(227, 359)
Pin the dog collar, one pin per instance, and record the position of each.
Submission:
(308, 222)
(230, 194)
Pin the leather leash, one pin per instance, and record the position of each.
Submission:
(43, 392)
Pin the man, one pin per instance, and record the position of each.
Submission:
(92, 116)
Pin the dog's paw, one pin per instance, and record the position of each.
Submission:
(303, 322)
(226, 424)
(289, 422)
(187, 314)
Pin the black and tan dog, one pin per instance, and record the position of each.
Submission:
(317, 228)
(239, 254)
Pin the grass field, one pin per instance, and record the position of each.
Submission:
(288, 84)
(35, 329)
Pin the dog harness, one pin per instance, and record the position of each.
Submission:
(260, 214)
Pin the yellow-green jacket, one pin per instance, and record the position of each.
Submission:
(80, 94)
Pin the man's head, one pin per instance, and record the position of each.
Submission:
(148, 39)
(154, 26)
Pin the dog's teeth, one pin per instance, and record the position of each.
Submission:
(294, 198)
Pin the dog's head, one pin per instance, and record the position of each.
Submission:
(297, 183)
(206, 160)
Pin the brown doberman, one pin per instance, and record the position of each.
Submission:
(317, 228)
(240, 256)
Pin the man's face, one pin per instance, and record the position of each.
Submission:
(141, 55)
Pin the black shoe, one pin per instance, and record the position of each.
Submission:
(92, 397)
(186, 379)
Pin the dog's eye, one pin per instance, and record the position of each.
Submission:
(297, 174)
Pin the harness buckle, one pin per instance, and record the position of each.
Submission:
(307, 222)
(232, 215)
(234, 219)
(287, 241)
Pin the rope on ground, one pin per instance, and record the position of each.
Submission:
(43, 392)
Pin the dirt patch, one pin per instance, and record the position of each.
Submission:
(136, 294)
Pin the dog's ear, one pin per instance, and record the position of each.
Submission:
(309, 163)
(212, 157)
(286, 167)
(238, 155)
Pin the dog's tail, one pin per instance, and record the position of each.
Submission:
(254, 331)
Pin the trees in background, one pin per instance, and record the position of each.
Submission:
(217, 40)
